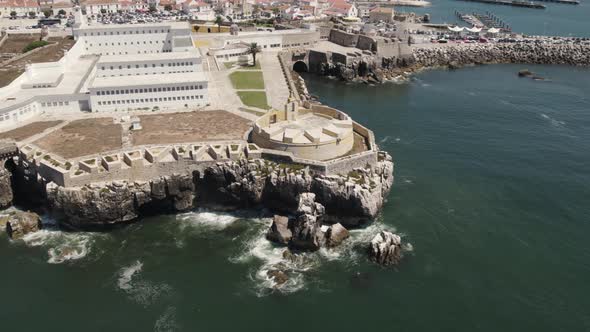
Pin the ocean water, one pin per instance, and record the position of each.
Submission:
(492, 193)
(556, 19)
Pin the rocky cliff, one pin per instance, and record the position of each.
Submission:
(350, 199)
(5, 188)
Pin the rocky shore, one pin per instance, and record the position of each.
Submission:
(369, 69)
(350, 199)
(6, 195)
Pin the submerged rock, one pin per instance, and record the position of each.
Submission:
(20, 224)
(525, 73)
(278, 276)
(335, 235)
(279, 231)
(386, 248)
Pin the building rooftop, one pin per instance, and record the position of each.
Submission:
(192, 54)
(122, 81)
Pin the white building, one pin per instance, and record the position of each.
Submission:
(111, 67)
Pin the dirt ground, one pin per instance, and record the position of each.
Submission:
(83, 137)
(190, 127)
(16, 43)
(29, 130)
(52, 53)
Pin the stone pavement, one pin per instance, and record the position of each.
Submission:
(277, 91)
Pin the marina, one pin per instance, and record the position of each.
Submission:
(487, 20)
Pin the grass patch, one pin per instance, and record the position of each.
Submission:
(228, 65)
(254, 99)
(247, 80)
(33, 45)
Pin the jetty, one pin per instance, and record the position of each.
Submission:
(514, 3)
(567, 2)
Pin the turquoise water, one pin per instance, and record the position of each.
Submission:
(492, 191)
(557, 19)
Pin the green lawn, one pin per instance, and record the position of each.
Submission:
(250, 67)
(254, 99)
(247, 80)
(228, 65)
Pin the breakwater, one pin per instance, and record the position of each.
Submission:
(524, 4)
(519, 52)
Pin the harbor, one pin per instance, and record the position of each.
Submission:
(486, 21)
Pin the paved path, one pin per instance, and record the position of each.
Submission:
(277, 91)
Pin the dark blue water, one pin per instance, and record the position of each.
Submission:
(492, 190)
(557, 19)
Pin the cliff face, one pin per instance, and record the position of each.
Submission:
(6, 195)
(349, 199)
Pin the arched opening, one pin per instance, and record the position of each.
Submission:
(300, 67)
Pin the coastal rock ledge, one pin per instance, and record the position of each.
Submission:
(350, 199)
(6, 195)
(386, 248)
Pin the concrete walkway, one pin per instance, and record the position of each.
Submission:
(277, 91)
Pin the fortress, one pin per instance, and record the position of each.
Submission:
(176, 150)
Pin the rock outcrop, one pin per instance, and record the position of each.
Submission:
(335, 235)
(279, 231)
(352, 199)
(386, 248)
(20, 224)
(6, 195)
(307, 225)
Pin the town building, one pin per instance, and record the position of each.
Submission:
(384, 14)
(111, 67)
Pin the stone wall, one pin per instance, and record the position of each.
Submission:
(351, 199)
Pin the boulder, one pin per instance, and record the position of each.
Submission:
(22, 223)
(385, 248)
(279, 231)
(336, 234)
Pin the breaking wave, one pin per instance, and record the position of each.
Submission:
(167, 321)
(206, 219)
(299, 267)
(140, 291)
(127, 273)
(62, 246)
(552, 121)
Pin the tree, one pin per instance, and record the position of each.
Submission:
(218, 21)
(32, 14)
(61, 12)
(103, 11)
(153, 9)
(254, 49)
(168, 8)
(13, 14)
(47, 12)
